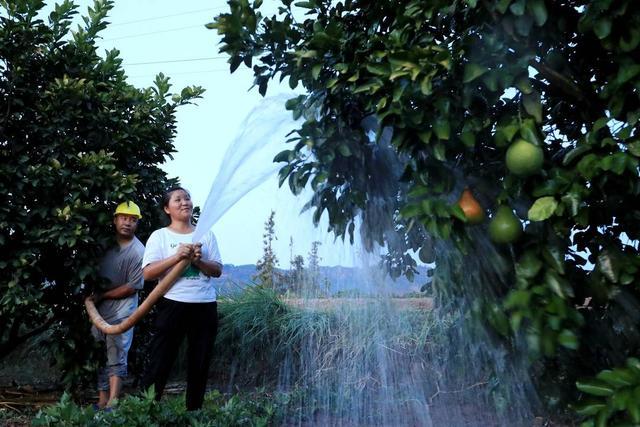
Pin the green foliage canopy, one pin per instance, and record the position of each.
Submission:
(457, 83)
(75, 140)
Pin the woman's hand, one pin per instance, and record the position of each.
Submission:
(208, 268)
(157, 269)
(184, 251)
(196, 256)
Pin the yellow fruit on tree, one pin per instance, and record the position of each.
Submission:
(524, 158)
(471, 208)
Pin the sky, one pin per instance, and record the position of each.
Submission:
(170, 37)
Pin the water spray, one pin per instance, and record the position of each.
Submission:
(243, 168)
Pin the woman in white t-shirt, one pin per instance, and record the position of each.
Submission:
(189, 308)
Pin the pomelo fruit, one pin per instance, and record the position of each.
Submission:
(524, 158)
(471, 208)
(505, 227)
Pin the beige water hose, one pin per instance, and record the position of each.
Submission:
(161, 288)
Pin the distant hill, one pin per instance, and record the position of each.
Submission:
(340, 279)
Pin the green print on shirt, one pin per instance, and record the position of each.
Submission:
(191, 272)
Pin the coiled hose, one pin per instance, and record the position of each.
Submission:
(161, 288)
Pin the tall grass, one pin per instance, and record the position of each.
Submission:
(362, 361)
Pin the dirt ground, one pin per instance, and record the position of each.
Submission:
(19, 404)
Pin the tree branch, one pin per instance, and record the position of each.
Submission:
(557, 79)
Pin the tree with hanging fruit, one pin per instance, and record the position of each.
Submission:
(525, 110)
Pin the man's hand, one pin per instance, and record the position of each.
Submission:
(96, 297)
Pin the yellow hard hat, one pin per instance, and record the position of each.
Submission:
(128, 208)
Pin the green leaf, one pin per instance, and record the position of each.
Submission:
(629, 44)
(624, 133)
(524, 85)
(315, 71)
(616, 378)
(572, 201)
(554, 257)
(425, 136)
(542, 208)
(621, 399)
(627, 73)
(442, 129)
(602, 28)
(293, 103)
(368, 87)
(529, 265)
(609, 265)
(594, 388)
(557, 284)
(378, 69)
(410, 210)
(590, 409)
(439, 152)
(284, 156)
(508, 130)
(443, 58)
(502, 5)
(633, 363)
(457, 212)
(617, 163)
(587, 165)
(293, 83)
(306, 53)
(533, 106)
(426, 86)
(568, 339)
(491, 81)
(529, 131)
(283, 174)
(575, 153)
(517, 8)
(517, 298)
(539, 11)
(468, 139)
(523, 25)
(234, 63)
(305, 4)
(398, 91)
(473, 71)
(498, 320)
(344, 150)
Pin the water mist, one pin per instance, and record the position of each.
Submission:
(373, 359)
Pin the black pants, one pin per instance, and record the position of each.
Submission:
(175, 320)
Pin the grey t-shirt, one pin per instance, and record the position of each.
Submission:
(121, 265)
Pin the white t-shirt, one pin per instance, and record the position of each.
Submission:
(193, 286)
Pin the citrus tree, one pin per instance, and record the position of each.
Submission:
(75, 140)
(530, 105)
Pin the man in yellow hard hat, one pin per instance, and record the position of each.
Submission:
(117, 298)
